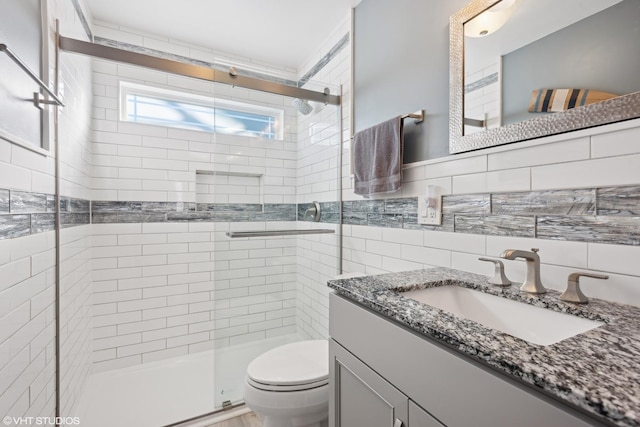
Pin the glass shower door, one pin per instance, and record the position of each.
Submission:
(252, 188)
(255, 187)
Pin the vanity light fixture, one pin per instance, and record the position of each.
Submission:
(491, 20)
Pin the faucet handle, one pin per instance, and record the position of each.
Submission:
(573, 292)
(314, 211)
(498, 279)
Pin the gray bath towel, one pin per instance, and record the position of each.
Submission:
(377, 158)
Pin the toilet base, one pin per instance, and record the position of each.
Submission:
(305, 408)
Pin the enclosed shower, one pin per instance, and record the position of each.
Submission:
(201, 248)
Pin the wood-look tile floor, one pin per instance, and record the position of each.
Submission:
(247, 420)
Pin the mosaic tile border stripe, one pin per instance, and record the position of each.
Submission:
(158, 53)
(180, 58)
(483, 82)
(82, 18)
(328, 57)
(315, 69)
(337, 48)
(602, 215)
(23, 213)
(131, 212)
(114, 212)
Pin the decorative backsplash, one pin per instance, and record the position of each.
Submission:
(603, 215)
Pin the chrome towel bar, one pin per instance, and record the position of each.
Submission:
(271, 233)
(418, 116)
(36, 97)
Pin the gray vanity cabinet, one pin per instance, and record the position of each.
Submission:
(418, 417)
(382, 373)
(363, 398)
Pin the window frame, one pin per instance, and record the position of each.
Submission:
(130, 88)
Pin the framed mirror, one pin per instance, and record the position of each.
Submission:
(524, 69)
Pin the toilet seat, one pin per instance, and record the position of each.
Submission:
(302, 365)
(283, 388)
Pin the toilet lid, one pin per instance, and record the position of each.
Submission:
(295, 364)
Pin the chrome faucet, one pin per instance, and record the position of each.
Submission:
(531, 283)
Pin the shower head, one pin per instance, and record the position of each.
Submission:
(302, 106)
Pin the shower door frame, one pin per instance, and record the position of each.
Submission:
(65, 44)
(230, 77)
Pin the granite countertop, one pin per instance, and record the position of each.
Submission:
(597, 371)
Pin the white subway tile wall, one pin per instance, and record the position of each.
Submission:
(27, 326)
(76, 163)
(559, 152)
(597, 157)
(27, 264)
(319, 139)
(138, 162)
(255, 282)
(167, 289)
(75, 312)
(187, 288)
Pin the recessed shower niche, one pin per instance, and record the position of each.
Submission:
(227, 188)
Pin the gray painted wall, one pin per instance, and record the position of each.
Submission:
(401, 64)
(580, 56)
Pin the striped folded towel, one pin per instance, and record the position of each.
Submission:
(556, 100)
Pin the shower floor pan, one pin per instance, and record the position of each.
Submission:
(171, 390)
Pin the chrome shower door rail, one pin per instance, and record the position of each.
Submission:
(189, 70)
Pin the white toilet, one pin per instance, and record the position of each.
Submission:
(289, 385)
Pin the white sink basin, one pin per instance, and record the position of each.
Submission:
(534, 324)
